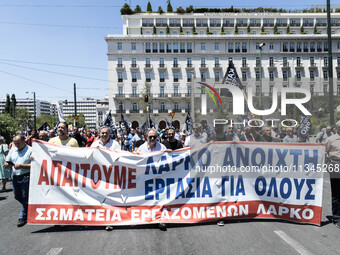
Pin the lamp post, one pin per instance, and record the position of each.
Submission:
(192, 109)
(260, 90)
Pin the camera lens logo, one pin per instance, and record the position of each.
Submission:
(204, 98)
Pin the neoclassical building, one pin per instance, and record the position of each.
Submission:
(165, 55)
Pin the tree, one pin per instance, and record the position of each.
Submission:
(13, 104)
(180, 10)
(181, 30)
(138, 9)
(167, 29)
(8, 104)
(21, 114)
(148, 7)
(169, 7)
(194, 29)
(189, 9)
(80, 122)
(154, 30)
(126, 10)
(160, 10)
(275, 29)
(248, 29)
(262, 29)
(236, 30)
(45, 118)
(8, 126)
(315, 30)
(302, 30)
(288, 29)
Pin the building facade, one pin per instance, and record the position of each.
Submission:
(42, 107)
(94, 111)
(164, 55)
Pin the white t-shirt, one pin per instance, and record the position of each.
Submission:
(144, 148)
(192, 140)
(112, 145)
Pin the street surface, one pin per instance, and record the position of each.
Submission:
(235, 237)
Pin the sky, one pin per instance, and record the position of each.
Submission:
(47, 46)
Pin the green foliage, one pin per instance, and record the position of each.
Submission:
(180, 29)
(189, 9)
(138, 9)
(169, 7)
(148, 7)
(21, 114)
(302, 30)
(275, 29)
(288, 29)
(236, 30)
(248, 29)
(167, 29)
(180, 10)
(262, 29)
(160, 10)
(81, 120)
(193, 29)
(13, 104)
(8, 126)
(141, 30)
(46, 118)
(315, 29)
(222, 29)
(154, 30)
(8, 104)
(126, 10)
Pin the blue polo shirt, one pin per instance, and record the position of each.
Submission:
(20, 157)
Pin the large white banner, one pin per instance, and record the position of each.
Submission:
(221, 180)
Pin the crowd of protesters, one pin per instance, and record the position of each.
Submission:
(15, 157)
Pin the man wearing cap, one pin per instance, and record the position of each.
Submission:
(333, 156)
(19, 159)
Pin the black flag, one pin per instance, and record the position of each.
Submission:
(109, 123)
(143, 127)
(126, 125)
(305, 127)
(150, 123)
(231, 78)
(44, 127)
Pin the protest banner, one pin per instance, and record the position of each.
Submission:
(220, 180)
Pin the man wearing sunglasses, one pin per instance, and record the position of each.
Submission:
(152, 143)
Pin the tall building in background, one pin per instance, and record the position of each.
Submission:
(42, 107)
(161, 54)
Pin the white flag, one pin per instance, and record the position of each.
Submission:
(60, 114)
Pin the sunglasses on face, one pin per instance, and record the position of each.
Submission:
(153, 137)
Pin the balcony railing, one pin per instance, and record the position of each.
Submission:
(162, 110)
(147, 24)
(188, 24)
(228, 24)
(161, 24)
(134, 111)
(215, 24)
(202, 24)
(175, 25)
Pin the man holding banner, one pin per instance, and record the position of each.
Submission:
(19, 159)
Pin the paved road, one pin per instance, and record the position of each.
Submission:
(236, 237)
